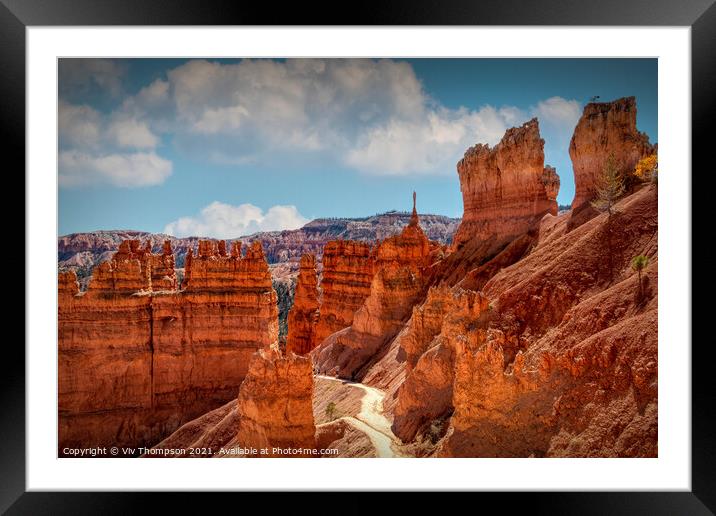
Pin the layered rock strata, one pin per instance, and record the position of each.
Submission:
(506, 189)
(303, 316)
(348, 269)
(135, 363)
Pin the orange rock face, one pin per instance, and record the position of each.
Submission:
(438, 327)
(67, 284)
(605, 128)
(505, 189)
(303, 317)
(275, 406)
(348, 269)
(134, 365)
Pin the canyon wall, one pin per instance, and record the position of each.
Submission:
(303, 316)
(605, 128)
(135, 362)
(506, 189)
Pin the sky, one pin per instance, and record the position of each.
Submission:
(227, 147)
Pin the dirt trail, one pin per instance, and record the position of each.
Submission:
(371, 420)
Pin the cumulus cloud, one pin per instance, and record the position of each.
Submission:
(78, 126)
(132, 133)
(221, 220)
(97, 148)
(129, 170)
(431, 144)
(373, 116)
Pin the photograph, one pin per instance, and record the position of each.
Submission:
(389, 257)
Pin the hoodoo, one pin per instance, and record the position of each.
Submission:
(506, 189)
(303, 316)
(348, 269)
(399, 282)
(605, 128)
(138, 358)
(275, 405)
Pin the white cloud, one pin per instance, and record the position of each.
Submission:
(558, 117)
(220, 220)
(370, 115)
(98, 148)
(221, 119)
(123, 170)
(78, 126)
(429, 145)
(129, 132)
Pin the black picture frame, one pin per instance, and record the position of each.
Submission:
(700, 15)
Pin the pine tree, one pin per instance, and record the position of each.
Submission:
(610, 188)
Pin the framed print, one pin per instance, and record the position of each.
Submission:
(433, 239)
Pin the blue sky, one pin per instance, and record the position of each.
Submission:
(228, 147)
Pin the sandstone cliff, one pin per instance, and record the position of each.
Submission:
(303, 316)
(135, 363)
(432, 337)
(505, 189)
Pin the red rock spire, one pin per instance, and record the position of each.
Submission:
(414, 216)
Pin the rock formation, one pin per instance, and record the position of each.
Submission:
(399, 282)
(348, 269)
(530, 337)
(215, 433)
(505, 189)
(163, 268)
(434, 333)
(303, 316)
(275, 408)
(605, 128)
(126, 273)
(135, 363)
(67, 284)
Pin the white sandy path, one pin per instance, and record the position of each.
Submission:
(370, 420)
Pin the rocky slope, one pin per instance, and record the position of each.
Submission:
(399, 282)
(568, 367)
